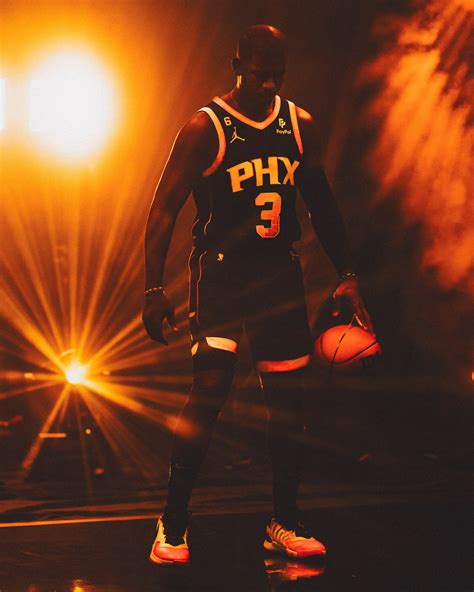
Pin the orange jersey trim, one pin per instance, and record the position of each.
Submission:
(283, 365)
(220, 136)
(257, 124)
(294, 124)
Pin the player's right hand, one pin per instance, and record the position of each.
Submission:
(348, 290)
(156, 309)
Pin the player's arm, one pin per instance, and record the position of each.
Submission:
(326, 217)
(192, 153)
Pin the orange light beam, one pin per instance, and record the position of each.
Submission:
(125, 445)
(35, 448)
(28, 388)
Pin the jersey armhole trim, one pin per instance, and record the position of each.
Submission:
(221, 138)
(295, 126)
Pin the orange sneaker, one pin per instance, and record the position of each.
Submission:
(294, 543)
(170, 546)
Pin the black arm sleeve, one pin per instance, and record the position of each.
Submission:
(325, 216)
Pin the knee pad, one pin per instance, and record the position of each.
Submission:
(212, 358)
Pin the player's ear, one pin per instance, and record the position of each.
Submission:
(236, 66)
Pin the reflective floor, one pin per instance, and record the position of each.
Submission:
(386, 489)
(403, 548)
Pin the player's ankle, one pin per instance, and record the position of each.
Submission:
(176, 511)
(288, 519)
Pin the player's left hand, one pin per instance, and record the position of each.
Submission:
(348, 290)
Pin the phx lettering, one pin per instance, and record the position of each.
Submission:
(254, 169)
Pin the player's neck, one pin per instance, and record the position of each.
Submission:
(236, 99)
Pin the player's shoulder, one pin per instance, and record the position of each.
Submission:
(305, 118)
(307, 124)
(198, 124)
(197, 131)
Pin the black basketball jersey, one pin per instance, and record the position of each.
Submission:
(246, 199)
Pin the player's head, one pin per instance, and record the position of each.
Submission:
(260, 63)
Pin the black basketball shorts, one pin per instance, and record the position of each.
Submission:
(263, 295)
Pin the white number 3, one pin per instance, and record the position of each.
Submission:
(272, 214)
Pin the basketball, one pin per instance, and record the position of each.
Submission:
(346, 348)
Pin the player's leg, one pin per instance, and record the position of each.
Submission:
(284, 393)
(281, 345)
(214, 333)
(214, 348)
(284, 398)
(213, 371)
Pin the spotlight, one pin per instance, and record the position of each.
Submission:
(76, 373)
(2, 103)
(72, 103)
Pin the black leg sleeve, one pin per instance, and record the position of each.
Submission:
(193, 433)
(284, 394)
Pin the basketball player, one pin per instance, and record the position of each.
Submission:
(243, 156)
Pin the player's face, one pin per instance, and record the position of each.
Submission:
(262, 77)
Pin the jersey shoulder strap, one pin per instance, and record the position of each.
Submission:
(291, 107)
(210, 109)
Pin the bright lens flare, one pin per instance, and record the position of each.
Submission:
(2, 103)
(72, 104)
(76, 373)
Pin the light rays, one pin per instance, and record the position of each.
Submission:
(49, 312)
(2, 103)
(72, 238)
(39, 385)
(122, 441)
(72, 271)
(36, 446)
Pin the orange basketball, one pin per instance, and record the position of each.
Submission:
(345, 348)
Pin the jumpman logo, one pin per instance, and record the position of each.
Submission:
(235, 136)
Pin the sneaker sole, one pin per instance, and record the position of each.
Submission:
(281, 549)
(155, 559)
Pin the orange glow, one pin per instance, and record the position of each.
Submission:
(35, 448)
(2, 103)
(72, 103)
(72, 237)
(424, 152)
(76, 373)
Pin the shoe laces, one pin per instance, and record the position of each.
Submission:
(174, 527)
(297, 528)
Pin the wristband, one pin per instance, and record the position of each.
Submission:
(149, 291)
(348, 275)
